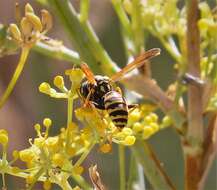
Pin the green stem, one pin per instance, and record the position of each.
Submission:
(58, 52)
(36, 177)
(81, 182)
(84, 10)
(83, 38)
(84, 155)
(16, 75)
(122, 167)
(152, 168)
(125, 22)
(69, 119)
(137, 26)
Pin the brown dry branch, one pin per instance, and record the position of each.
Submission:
(149, 88)
(192, 143)
(95, 178)
(210, 150)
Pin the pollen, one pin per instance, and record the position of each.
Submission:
(3, 137)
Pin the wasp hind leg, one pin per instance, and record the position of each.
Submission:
(132, 107)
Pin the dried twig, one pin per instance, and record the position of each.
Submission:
(210, 150)
(192, 145)
(95, 178)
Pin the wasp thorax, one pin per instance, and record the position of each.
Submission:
(96, 92)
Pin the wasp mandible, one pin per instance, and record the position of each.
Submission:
(100, 92)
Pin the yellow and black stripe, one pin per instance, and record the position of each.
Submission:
(117, 108)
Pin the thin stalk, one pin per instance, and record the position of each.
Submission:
(122, 171)
(58, 52)
(132, 173)
(104, 62)
(36, 177)
(141, 180)
(81, 181)
(16, 75)
(125, 22)
(84, 10)
(84, 155)
(69, 119)
(137, 26)
(65, 185)
(83, 38)
(151, 166)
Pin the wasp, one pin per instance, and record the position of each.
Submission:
(102, 93)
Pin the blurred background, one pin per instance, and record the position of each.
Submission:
(26, 106)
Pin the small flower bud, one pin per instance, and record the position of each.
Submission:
(46, 20)
(47, 122)
(35, 20)
(166, 121)
(47, 185)
(15, 32)
(127, 131)
(153, 116)
(28, 9)
(26, 155)
(137, 127)
(105, 148)
(3, 137)
(45, 88)
(129, 140)
(26, 26)
(59, 82)
(15, 154)
(154, 126)
(147, 132)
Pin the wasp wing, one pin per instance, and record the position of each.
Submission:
(88, 73)
(138, 62)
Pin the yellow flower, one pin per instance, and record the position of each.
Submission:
(26, 155)
(58, 159)
(129, 140)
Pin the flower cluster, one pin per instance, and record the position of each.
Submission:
(31, 27)
(161, 16)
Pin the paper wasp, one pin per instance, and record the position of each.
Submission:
(100, 92)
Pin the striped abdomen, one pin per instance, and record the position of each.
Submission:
(117, 108)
